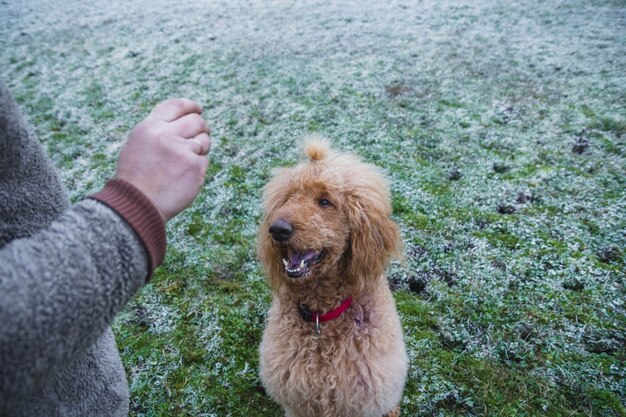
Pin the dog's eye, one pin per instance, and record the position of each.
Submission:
(324, 202)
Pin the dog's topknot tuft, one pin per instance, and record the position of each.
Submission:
(316, 148)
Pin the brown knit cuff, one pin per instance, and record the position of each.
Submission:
(139, 212)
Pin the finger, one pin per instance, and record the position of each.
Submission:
(191, 144)
(189, 126)
(174, 108)
(204, 140)
(200, 144)
(204, 167)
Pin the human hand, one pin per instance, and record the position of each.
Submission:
(165, 155)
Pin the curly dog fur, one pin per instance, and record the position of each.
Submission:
(326, 236)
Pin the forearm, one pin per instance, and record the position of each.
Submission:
(60, 288)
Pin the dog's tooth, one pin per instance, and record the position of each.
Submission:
(286, 262)
(302, 264)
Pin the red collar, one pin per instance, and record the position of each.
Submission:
(314, 316)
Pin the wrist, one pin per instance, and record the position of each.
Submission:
(140, 213)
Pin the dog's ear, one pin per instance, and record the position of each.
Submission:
(374, 237)
(275, 192)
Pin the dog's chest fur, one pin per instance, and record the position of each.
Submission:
(345, 371)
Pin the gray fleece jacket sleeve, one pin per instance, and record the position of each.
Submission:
(64, 271)
(59, 290)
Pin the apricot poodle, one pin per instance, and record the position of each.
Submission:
(333, 344)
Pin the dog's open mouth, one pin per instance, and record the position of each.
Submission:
(300, 264)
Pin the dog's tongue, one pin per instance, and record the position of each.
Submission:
(296, 258)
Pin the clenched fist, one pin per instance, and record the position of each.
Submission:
(165, 155)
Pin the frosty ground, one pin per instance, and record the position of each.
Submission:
(501, 124)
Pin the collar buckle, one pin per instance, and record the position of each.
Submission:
(317, 325)
(314, 316)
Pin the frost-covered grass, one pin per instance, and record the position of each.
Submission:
(501, 124)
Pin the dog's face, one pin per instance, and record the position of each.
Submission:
(308, 231)
(327, 218)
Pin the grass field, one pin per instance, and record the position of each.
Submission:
(501, 124)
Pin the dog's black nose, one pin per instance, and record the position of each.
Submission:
(281, 230)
